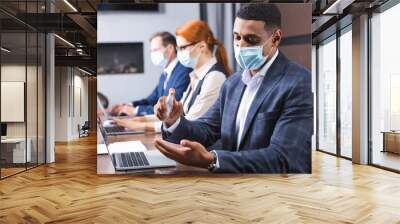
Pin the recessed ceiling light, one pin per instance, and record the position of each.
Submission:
(84, 71)
(337, 7)
(70, 5)
(64, 40)
(5, 50)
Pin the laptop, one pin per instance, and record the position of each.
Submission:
(3, 131)
(111, 128)
(136, 160)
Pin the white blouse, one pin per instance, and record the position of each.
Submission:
(209, 90)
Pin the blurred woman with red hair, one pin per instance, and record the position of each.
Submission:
(199, 49)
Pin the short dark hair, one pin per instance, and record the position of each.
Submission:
(166, 37)
(265, 12)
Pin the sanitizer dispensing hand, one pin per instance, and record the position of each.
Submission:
(170, 100)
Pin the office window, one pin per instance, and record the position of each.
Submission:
(327, 95)
(13, 86)
(22, 93)
(346, 93)
(385, 88)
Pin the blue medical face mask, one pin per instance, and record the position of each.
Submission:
(185, 59)
(250, 58)
(158, 58)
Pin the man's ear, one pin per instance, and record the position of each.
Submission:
(277, 37)
(170, 49)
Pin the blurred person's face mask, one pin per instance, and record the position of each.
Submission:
(158, 58)
(186, 60)
(251, 58)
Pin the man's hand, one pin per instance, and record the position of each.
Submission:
(161, 111)
(100, 115)
(141, 119)
(134, 124)
(187, 153)
(115, 108)
(122, 109)
(126, 110)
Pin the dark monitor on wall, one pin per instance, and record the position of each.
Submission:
(3, 129)
(120, 58)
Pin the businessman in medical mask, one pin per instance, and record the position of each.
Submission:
(174, 75)
(262, 121)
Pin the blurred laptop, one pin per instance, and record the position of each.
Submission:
(110, 127)
(3, 131)
(134, 158)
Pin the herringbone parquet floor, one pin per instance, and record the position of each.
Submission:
(69, 191)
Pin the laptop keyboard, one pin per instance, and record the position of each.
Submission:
(113, 129)
(131, 159)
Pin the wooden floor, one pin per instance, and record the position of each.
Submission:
(69, 191)
(387, 159)
(10, 171)
(5, 172)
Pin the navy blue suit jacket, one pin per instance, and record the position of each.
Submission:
(179, 79)
(278, 128)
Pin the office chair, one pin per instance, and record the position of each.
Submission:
(84, 130)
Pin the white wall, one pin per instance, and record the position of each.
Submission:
(61, 103)
(71, 94)
(17, 73)
(114, 27)
(81, 103)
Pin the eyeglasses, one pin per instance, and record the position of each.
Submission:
(185, 46)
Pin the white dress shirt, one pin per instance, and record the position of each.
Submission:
(209, 90)
(170, 67)
(168, 70)
(252, 83)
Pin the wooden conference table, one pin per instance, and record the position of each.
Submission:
(105, 166)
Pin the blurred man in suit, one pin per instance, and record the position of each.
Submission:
(262, 121)
(174, 75)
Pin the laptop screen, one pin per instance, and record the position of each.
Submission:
(103, 133)
(101, 108)
(3, 129)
